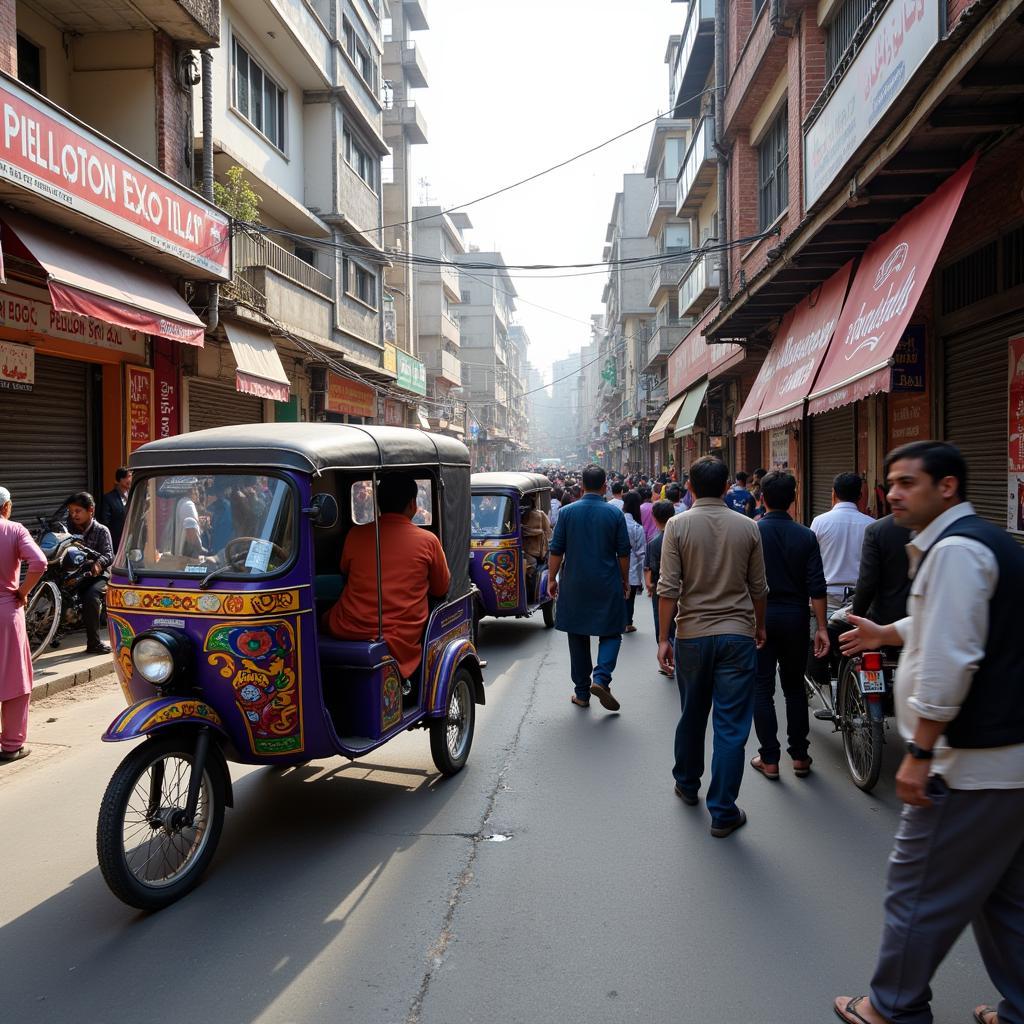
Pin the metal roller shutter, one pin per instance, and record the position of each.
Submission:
(975, 368)
(46, 438)
(833, 451)
(212, 404)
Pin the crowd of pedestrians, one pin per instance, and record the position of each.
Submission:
(741, 598)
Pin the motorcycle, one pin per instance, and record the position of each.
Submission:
(857, 699)
(55, 604)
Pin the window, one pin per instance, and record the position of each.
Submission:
(306, 255)
(358, 157)
(362, 503)
(842, 30)
(467, 296)
(677, 238)
(361, 283)
(30, 64)
(773, 170)
(257, 97)
(493, 516)
(360, 56)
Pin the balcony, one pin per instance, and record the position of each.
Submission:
(443, 366)
(281, 285)
(662, 204)
(663, 343)
(450, 281)
(694, 58)
(699, 172)
(415, 12)
(196, 22)
(408, 118)
(449, 329)
(665, 279)
(404, 53)
(700, 284)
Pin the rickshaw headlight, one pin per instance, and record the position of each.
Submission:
(153, 660)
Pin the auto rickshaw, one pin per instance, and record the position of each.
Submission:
(507, 584)
(230, 556)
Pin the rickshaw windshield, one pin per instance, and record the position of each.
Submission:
(493, 515)
(193, 525)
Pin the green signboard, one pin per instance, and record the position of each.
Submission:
(412, 374)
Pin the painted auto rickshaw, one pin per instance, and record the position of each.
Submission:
(507, 580)
(229, 559)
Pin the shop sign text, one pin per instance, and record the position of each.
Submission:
(17, 367)
(347, 397)
(1015, 462)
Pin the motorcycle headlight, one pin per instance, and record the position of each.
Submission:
(157, 656)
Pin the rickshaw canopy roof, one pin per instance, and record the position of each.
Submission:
(524, 483)
(303, 447)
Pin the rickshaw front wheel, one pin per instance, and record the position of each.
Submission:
(451, 736)
(148, 856)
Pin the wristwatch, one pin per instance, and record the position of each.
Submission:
(918, 753)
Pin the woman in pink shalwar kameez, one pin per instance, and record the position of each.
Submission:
(16, 546)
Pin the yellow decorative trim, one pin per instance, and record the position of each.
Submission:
(494, 545)
(204, 604)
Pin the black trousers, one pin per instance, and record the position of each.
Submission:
(786, 649)
(94, 597)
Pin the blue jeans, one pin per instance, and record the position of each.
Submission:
(657, 623)
(714, 672)
(582, 667)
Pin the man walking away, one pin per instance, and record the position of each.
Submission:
(674, 494)
(712, 580)
(646, 518)
(637, 553)
(591, 550)
(662, 511)
(883, 584)
(840, 533)
(958, 857)
(616, 499)
(792, 564)
(738, 498)
(81, 510)
(113, 504)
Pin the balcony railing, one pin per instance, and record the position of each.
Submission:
(694, 57)
(700, 285)
(444, 365)
(662, 204)
(697, 175)
(664, 342)
(409, 118)
(410, 57)
(665, 278)
(450, 280)
(259, 251)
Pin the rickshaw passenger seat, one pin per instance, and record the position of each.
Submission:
(351, 653)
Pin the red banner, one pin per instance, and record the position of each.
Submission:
(347, 397)
(890, 280)
(139, 405)
(48, 153)
(165, 368)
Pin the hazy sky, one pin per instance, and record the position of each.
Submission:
(518, 85)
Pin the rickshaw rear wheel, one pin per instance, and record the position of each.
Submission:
(148, 857)
(451, 736)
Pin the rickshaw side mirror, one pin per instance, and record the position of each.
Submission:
(323, 511)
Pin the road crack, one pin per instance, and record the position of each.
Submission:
(439, 947)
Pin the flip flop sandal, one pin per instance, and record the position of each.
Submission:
(849, 1012)
(981, 1015)
(759, 766)
(579, 703)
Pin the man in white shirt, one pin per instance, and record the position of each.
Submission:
(616, 498)
(840, 533)
(959, 851)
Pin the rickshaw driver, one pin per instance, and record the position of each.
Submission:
(536, 537)
(412, 566)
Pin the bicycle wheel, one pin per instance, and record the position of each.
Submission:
(42, 616)
(862, 734)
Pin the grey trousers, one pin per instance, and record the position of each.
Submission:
(959, 862)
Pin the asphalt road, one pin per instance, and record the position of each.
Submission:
(557, 879)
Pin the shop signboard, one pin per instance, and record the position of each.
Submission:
(908, 367)
(165, 388)
(17, 367)
(49, 153)
(393, 413)
(346, 397)
(902, 37)
(909, 418)
(139, 405)
(1015, 465)
(779, 442)
(390, 358)
(23, 311)
(412, 374)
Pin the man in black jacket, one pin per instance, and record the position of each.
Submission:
(112, 505)
(792, 563)
(884, 579)
(96, 537)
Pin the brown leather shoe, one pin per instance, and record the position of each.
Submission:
(801, 769)
(769, 771)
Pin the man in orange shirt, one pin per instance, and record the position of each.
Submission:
(412, 565)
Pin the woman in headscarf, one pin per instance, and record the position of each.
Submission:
(16, 546)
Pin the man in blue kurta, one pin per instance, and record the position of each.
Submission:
(591, 549)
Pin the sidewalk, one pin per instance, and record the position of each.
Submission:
(68, 666)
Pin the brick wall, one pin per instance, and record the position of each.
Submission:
(8, 38)
(174, 132)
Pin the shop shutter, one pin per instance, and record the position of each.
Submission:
(833, 451)
(45, 455)
(213, 404)
(975, 368)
